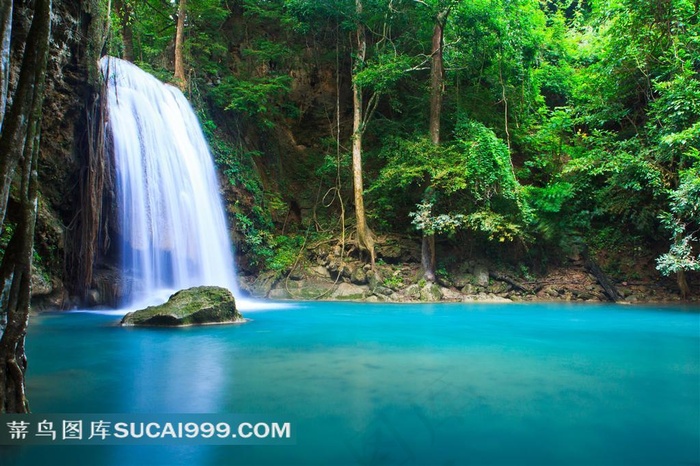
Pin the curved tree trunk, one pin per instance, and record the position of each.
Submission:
(19, 144)
(603, 280)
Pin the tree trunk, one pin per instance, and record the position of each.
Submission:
(124, 11)
(17, 262)
(5, 32)
(364, 235)
(18, 266)
(437, 85)
(511, 281)
(427, 257)
(601, 277)
(14, 130)
(437, 78)
(180, 78)
(682, 284)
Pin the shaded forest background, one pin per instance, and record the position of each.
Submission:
(563, 127)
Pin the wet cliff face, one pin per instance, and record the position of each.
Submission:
(63, 107)
(64, 138)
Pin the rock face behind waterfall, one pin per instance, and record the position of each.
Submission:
(193, 306)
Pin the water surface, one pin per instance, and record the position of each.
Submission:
(390, 384)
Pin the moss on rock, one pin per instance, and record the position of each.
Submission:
(193, 306)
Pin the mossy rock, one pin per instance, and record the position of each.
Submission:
(430, 292)
(350, 292)
(194, 306)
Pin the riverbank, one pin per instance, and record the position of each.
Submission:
(327, 272)
(477, 282)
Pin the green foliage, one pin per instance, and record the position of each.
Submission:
(496, 226)
(554, 213)
(469, 180)
(286, 252)
(561, 120)
(618, 184)
(252, 214)
(550, 199)
(395, 282)
(430, 224)
(498, 47)
(487, 164)
(442, 273)
(8, 229)
(550, 145)
(266, 50)
(525, 272)
(257, 239)
(612, 239)
(153, 29)
(675, 118)
(257, 97)
(382, 74)
(234, 161)
(203, 44)
(680, 257)
(264, 248)
(683, 221)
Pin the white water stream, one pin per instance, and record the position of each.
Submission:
(173, 230)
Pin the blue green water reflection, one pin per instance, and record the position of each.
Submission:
(390, 384)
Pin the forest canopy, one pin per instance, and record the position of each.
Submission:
(524, 131)
(560, 122)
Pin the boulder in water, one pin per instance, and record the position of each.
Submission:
(194, 306)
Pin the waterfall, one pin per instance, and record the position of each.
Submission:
(172, 226)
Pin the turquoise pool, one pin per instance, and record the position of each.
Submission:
(372, 384)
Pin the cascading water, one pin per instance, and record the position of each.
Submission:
(173, 228)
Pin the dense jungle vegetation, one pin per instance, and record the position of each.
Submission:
(518, 127)
(519, 131)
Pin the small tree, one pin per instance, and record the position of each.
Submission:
(683, 221)
(469, 181)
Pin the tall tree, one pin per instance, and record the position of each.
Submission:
(359, 121)
(180, 77)
(124, 12)
(19, 145)
(437, 87)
